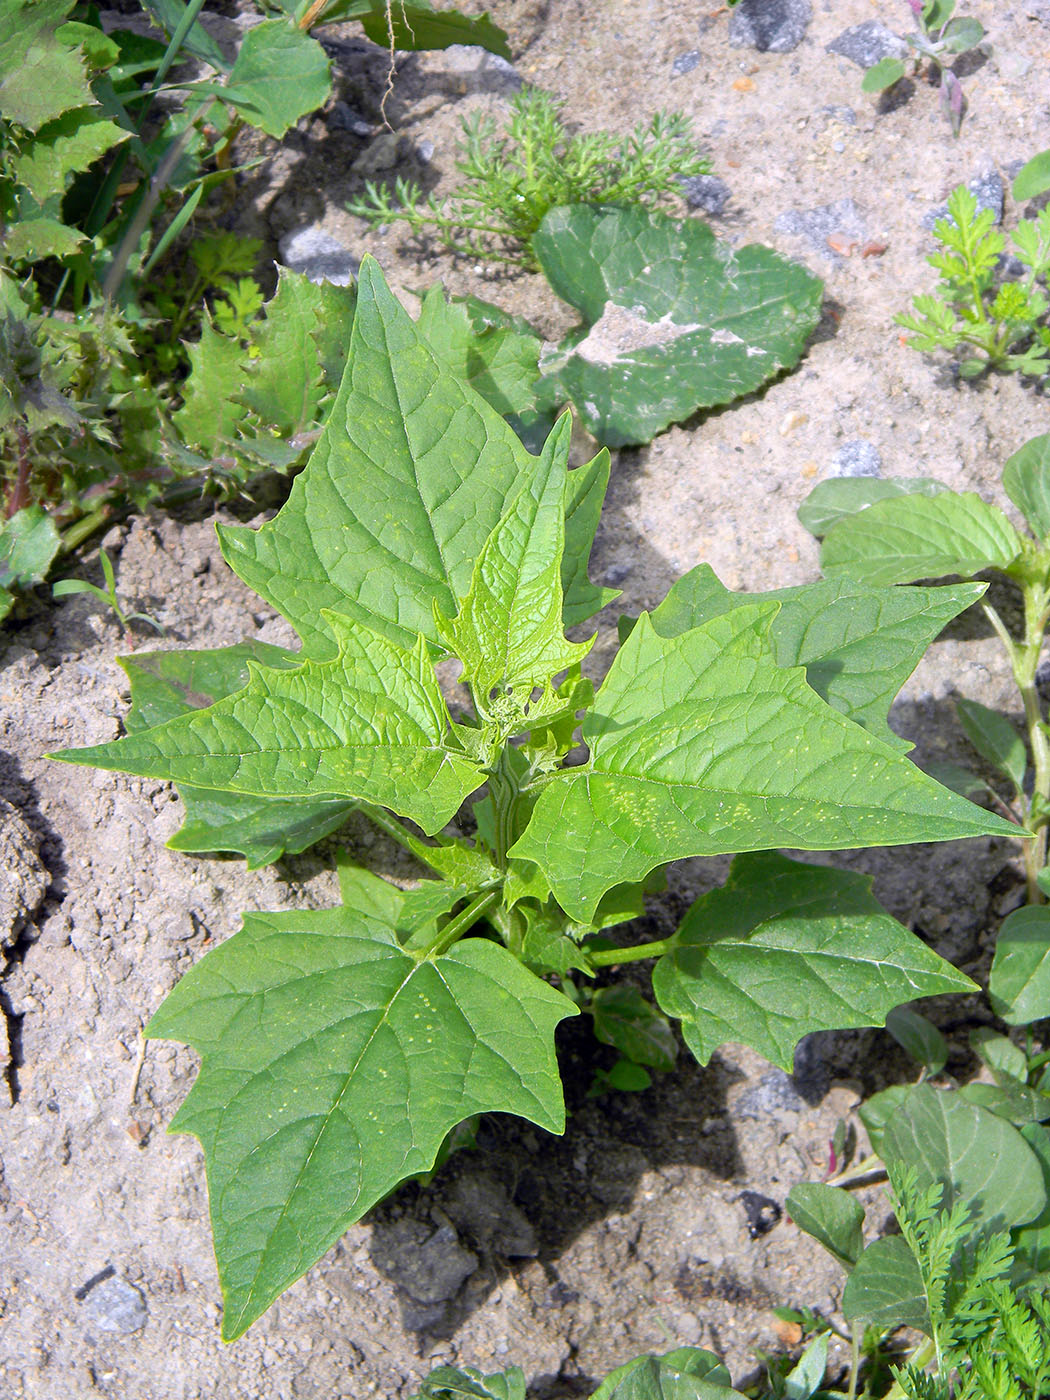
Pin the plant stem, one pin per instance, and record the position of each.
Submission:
(854, 1361)
(461, 923)
(612, 957)
(77, 533)
(393, 828)
(19, 496)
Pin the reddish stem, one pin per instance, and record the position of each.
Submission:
(19, 496)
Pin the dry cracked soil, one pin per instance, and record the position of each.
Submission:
(644, 1226)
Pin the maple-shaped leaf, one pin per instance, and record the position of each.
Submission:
(702, 745)
(334, 1062)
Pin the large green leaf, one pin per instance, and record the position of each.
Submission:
(674, 320)
(584, 494)
(886, 1287)
(783, 949)
(1032, 1240)
(413, 24)
(41, 75)
(858, 644)
(410, 477)
(688, 1373)
(369, 724)
(334, 1062)
(701, 745)
(910, 537)
(279, 75)
(1019, 985)
(496, 354)
(1026, 480)
(979, 1158)
(509, 631)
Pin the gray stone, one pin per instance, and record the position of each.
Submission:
(839, 112)
(868, 43)
(466, 68)
(685, 63)
(774, 1093)
(770, 26)
(388, 150)
(858, 457)
(317, 254)
(480, 1207)
(706, 192)
(344, 118)
(430, 1265)
(817, 225)
(986, 187)
(114, 1305)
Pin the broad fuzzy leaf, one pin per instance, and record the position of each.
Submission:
(687, 1373)
(485, 348)
(334, 1062)
(886, 1287)
(1019, 986)
(1026, 480)
(410, 477)
(509, 631)
(675, 320)
(701, 745)
(584, 494)
(783, 949)
(279, 75)
(832, 1216)
(68, 144)
(910, 537)
(978, 1157)
(41, 75)
(369, 724)
(858, 644)
(1032, 1240)
(29, 542)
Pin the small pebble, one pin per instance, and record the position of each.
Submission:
(770, 26)
(706, 192)
(344, 118)
(858, 457)
(685, 63)
(115, 1305)
(317, 254)
(841, 220)
(868, 43)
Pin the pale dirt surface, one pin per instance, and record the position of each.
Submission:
(563, 1255)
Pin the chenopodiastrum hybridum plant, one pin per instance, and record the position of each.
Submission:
(340, 1047)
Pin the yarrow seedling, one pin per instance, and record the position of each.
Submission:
(340, 1047)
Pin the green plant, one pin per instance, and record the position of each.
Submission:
(969, 1191)
(28, 544)
(513, 177)
(975, 309)
(885, 532)
(341, 1046)
(941, 37)
(68, 587)
(97, 187)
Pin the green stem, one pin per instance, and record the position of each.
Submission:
(854, 1361)
(76, 534)
(391, 827)
(1024, 661)
(463, 921)
(612, 957)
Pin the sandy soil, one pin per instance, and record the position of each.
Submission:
(568, 1255)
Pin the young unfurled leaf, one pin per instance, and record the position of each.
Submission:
(858, 644)
(674, 320)
(908, 537)
(783, 949)
(831, 1215)
(410, 477)
(334, 1063)
(995, 739)
(509, 631)
(1026, 480)
(369, 724)
(919, 1037)
(697, 748)
(1019, 986)
(883, 75)
(625, 1019)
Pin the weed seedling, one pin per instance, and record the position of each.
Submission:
(511, 178)
(940, 38)
(68, 587)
